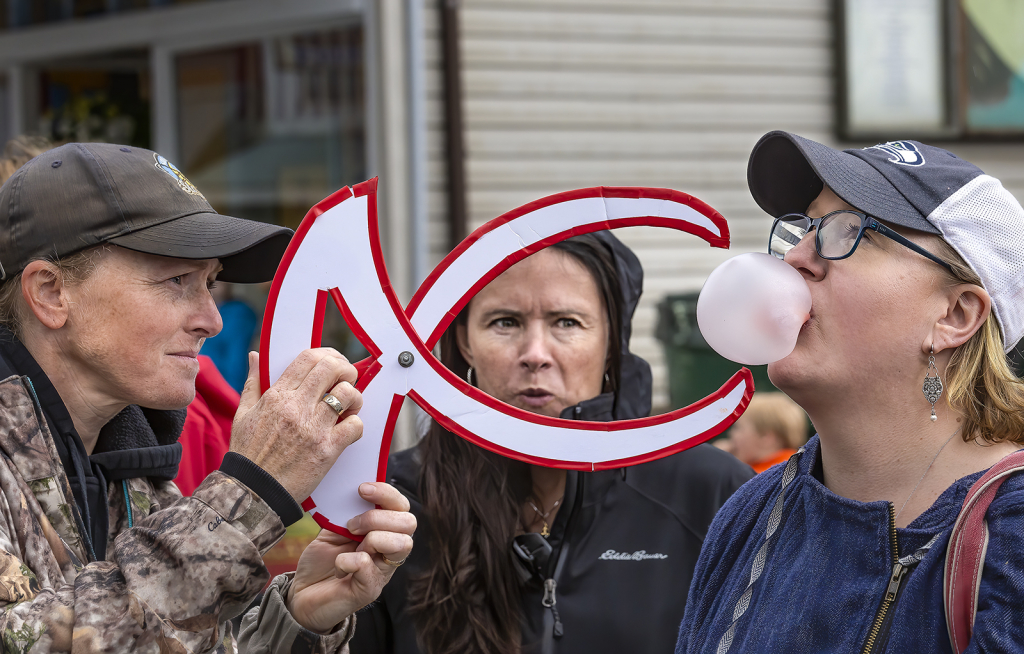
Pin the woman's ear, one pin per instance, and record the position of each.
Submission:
(969, 307)
(42, 286)
(462, 339)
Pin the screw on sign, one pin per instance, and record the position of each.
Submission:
(336, 253)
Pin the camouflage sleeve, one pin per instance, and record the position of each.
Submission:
(167, 585)
(270, 628)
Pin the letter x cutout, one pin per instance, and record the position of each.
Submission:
(336, 253)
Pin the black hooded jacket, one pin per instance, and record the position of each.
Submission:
(623, 547)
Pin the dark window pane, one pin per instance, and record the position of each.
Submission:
(268, 129)
(96, 98)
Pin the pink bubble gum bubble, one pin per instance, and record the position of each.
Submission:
(752, 307)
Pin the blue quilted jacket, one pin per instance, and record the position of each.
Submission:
(834, 575)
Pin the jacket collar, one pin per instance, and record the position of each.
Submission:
(137, 442)
(596, 409)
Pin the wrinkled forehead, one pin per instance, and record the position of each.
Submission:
(550, 277)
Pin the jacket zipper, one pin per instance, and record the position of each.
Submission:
(554, 570)
(550, 601)
(899, 571)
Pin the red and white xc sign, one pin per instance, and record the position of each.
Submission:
(336, 253)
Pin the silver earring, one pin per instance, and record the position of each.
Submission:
(469, 376)
(932, 387)
(607, 380)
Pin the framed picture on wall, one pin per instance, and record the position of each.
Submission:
(893, 68)
(937, 69)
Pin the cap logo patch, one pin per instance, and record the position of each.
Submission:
(163, 164)
(904, 153)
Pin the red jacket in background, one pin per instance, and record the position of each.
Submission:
(207, 433)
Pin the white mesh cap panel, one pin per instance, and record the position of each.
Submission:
(985, 224)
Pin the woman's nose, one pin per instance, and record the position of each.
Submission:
(206, 321)
(805, 259)
(536, 352)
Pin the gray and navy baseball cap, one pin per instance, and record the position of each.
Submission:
(80, 195)
(912, 185)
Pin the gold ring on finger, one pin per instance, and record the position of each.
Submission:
(393, 563)
(334, 403)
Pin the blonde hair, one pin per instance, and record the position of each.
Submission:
(774, 412)
(73, 269)
(980, 384)
(19, 151)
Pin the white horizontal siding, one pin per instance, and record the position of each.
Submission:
(563, 94)
(572, 93)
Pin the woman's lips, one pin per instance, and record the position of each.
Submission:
(535, 397)
(187, 356)
(807, 322)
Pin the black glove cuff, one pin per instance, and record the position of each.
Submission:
(263, 484)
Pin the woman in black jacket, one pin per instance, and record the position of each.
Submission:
(513, 557)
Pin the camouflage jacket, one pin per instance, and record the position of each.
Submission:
(177, 568)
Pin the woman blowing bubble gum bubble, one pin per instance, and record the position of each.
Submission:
(914, 260)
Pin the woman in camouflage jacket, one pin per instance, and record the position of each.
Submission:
(107, 256)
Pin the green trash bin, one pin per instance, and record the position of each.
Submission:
(694, 369)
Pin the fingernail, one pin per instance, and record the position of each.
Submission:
(353, 524)
(366, 489)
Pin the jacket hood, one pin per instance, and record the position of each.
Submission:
(633, 398)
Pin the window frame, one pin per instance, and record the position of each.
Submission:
(954, 64)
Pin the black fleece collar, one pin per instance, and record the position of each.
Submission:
(140, 443)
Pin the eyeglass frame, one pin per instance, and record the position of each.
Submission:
(866, 222)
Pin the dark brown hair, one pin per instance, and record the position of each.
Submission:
(468, 598)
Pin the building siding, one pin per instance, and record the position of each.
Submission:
(562, 94)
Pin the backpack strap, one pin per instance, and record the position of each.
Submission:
(965, 556)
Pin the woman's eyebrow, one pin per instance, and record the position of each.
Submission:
(554, 313)
(499, 311)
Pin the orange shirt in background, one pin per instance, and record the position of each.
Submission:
(778, 457)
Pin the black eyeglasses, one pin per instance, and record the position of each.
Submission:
(837, 235)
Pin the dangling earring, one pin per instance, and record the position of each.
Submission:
(607, 381)
(932, 383)
(469, 376)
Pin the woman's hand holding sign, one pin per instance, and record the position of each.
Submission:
(296, 436)
(338, 576)
(290, 431)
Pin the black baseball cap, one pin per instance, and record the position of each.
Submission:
(913, 185)
(900, 182)
(80, 195)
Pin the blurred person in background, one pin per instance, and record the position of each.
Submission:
(768, 432)
(206, 434)
(914, 262)
(108, 255)
(19, 150)
(229, 349)
(514, 557)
